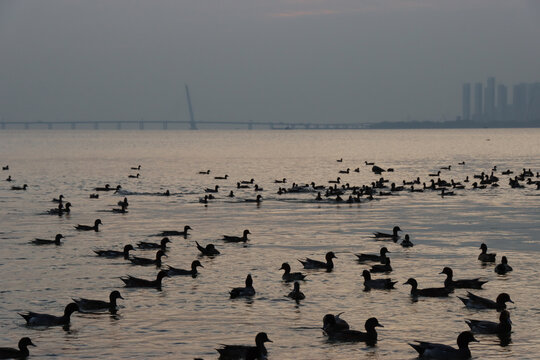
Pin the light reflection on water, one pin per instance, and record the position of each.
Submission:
(191, 317)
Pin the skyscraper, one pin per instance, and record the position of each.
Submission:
(489, 101)
(466, 101)
(477, 116)
(502, 103)
(519, 102)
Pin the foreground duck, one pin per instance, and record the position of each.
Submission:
(477, 302)
(183, 272)
(56, 240)
(370, 283)
(37, 319)
(21, 353)
(296, 294)
(132, 281)
(115, 253)
(446, 352)
(208, 250)
(97, 222)
(484, 256)
(428, 292)
(146, 261)
(503, 327)
(175, 232)
(334, 323)
(462, 284)
(370, 336)
(503, 267)
(288, 276)
(88, 305)
(232, 238)
(246, 291)
(233, 352)
(371, 257)
(316, 264)
(393, 236)
(162, 245)
(382, 268)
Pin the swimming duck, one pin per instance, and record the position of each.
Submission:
(134, 176)
(94, 196)
(36, 319)
(344, 171)
(503, 267)
(21, 353)
(60, 210)
(123, 203)
(59, 200)
(382, 268)
(107, 187)
(288, 276)
(370, 283)
(370, 336)
(209, 250)
(19, 187)
(115, 253)
(428, 292)
(503, 327)
(441, 351)
(334, 323)
(56, 240)
(407, 242)
(193, 272)
(241, 186)
(257, 188)
(296, 294)
(484, 256)
(146, 261)
(337, 181)
(5, 167)
(97, 222)
(394, 235)
(377, 169)
(462, 284)
(175, 232)
(151, 245)
(9, 178)
(477, 302)
(243, 238)
(229, 352)
(231, 194)
(437, 174)
(221, 177)
(136, 168)
(88, 305)
(166, 193)
(204, 172)
(246, 291)
(282, 181)
(247, 181)
(131, 281)
(204, 200)
(257, 200)
(371, 257)
(214, 190)
(316, 264)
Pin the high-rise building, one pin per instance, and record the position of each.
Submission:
(489, 100)
(519, 102)
(533, 102)
(502, 103)
(466, 102)
(477, 116)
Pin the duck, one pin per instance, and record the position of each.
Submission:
(136, 167)
(131, 281)
(176, 232)
(88, 305)
(246, 291)
(221, 177)
(204, 200)
(282, 181)
(428, 292)
(21, 353)
(503, 327)
(9, 178)
(296, 294)
(257, 188)
(231, 194)
(123, 203)
(380, 268)
(257, 200)
(193, 272)
(146, 261)
(19, 187)
(441, 351)
(151, 245)
(288, 276)
(462, 284)
(316, 264)
(209, 250)
(97, 222)
(394, 235)
(377, 169)
(60, 210)
(370, 283)
(36, 319)
(214, 190)
(115, 253)
(59, 199)
(370, 336)
(503, 267)
(436, 174)
(477, 302)
(107, 187)
(204, 172)
(247, 181)
(134, 176)
(5, 167)
(241, 186)
(334, 323)
(231, 238)
(371, 257)
(94, 196)
(344, 171)
(484, 256)
(244, 351)
(56, 240)
(337, 181)
(407, 241)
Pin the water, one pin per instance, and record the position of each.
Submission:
(191, 317)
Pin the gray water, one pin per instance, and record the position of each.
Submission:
(191, 317)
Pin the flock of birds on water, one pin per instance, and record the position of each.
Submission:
(336, 329)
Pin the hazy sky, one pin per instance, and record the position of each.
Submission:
(261, 60)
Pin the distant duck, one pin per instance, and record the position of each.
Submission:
(204, 200)
(507, 172)
(5, 167)
(288, 276)
(445, 352)
(204, 172)
(382, 268)
(229, 352)
(175, 232)
(340, 160)
(370, 336)
(56, 241)
(477, 302)
(134, 176)
(371, 257)
(122, 210)
(334, 323)
(94, 196)
(282, 181)
(337, 181)
(407, 242)
(182, 272)
(209, 250)
(136, 167)
(21, 353)
(146, 261)
(9, 178)
(316, 264)
(37, 319)
(436, 174)
(484, 256)
(19, 187)
(115, 253)
(97, 222)
(377, 170)
(357, 170)
(296, 294)
(241, 186)
(394, 236)
(232, 238)
(221, 177)
(369, 163)
(88, 305)
(60, 210)
(166, 193)
(59, 200)
(503, 267)
(247, 181)
(107, 187)
(462, 284)
(461, 163)
(214, 190)
(246, 291)
(231, 194)
(162, 245)
(257, 188)
(344, 171)
(428, 292)
(319, 197)
(131, 281)
(449, 167)
(257, 200)
(123, 203)
(503, 327)
(370, 283)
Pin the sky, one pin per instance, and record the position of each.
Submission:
(316, 61)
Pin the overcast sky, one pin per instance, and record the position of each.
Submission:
(263, 60)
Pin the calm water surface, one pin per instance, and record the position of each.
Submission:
(191, 317)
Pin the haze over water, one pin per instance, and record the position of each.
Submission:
(191, 317)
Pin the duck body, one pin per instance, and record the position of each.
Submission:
(461, 284)
(151, 245)
(289, 276)
(296, 294)
(56, 240)
(176, 232)
(37, 319)
(394, 236)
(334, 323)
(485, 256)
(503, 267)
(372, 257)
(20, 353)
(316, 264)
(407, 242)
(382, 284)
(19, 187)
(243, 238)
(370, 336)
(477, 302)
(97, 222)
(209, 250)
(89, 305)
(182, 272)
(382, 268)
(246, 291)
(503, 327)
(234, 352)
(427, 292)
(60, 210)
(446, 352)
(131, 281)
(146, 261)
